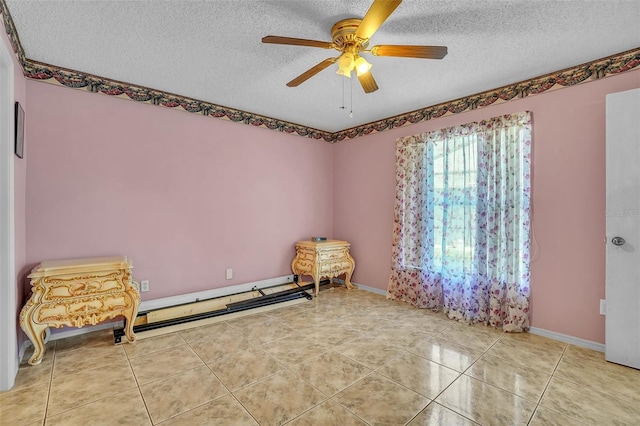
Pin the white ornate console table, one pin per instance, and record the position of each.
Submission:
(323, 259)
(78, 292)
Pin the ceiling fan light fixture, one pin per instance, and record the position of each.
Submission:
(346, 73)
(346, 63)
(362, 66)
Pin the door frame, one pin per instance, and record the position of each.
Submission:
(8, 338)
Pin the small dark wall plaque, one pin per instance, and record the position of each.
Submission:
(19, 129)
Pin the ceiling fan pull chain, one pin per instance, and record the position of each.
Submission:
(351, 112)
(343, 89)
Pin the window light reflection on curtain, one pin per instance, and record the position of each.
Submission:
(461, 221)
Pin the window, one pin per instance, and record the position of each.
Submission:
(454, 202)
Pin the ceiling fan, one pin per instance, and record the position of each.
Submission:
(351, 37)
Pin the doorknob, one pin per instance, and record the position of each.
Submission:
(617, 241)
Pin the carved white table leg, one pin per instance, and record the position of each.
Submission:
(130, 315)
(35, 332)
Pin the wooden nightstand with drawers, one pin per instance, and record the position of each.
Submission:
(78, 292)
(323, 259)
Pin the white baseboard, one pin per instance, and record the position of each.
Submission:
(148, 305)
(70, 332)
(583, 343)
(371, 289)
(23, 349)
(363, 287)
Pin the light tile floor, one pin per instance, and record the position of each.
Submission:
(345, 358)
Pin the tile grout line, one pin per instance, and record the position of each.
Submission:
(242, 387)
(562, 357)
(460, 375)
(182, 372)
(133, 373)
(431, 400)
(231, 392)
(376, 370)
(53, 366)
(555, 368)
(243, 407)
(285, 368)
(176, 374)
(88, 402)
(329, 397)
(588, 385)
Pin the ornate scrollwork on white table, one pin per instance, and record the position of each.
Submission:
(78, 292)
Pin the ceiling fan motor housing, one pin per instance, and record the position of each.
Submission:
(343, 35)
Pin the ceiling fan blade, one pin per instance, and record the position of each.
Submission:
(376, 15)
(427, 52)
(297, 41)
(311, 72)
(368, 83)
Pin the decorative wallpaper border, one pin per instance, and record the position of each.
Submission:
(590, 71)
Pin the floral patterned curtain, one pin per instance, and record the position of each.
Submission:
(462, 220)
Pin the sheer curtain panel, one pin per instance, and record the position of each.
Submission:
(462, 221)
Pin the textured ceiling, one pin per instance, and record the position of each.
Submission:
(212, 50)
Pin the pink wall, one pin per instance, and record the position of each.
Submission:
(568, 271)
(187, 196)
(184, 196)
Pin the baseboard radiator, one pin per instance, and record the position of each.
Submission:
(218, 306)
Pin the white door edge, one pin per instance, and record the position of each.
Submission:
(8, 340)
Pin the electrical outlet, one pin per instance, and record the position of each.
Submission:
(229, 273)
(144, 285)
(603, 307)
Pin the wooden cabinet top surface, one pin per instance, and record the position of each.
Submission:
(322, 244)
(71, 266)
